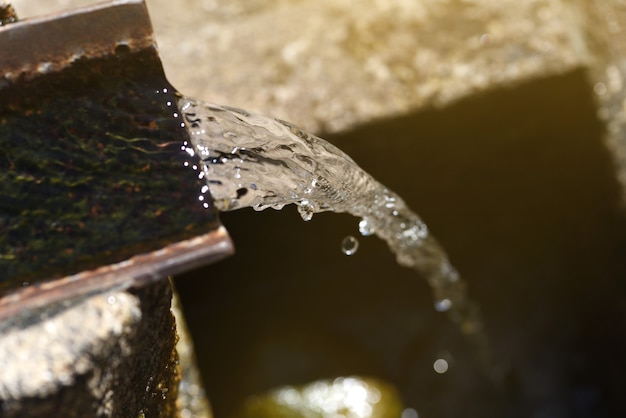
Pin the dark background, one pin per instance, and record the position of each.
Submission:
(517, 186)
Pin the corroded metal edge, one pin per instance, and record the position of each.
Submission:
(136, 271)
(51, 43)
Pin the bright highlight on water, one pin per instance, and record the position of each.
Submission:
(260, 162)
(349, 245)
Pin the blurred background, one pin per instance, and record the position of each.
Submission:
(499, 122)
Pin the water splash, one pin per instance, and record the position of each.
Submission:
(259, 162)
(349, 245)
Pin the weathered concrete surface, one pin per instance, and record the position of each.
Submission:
(330, 65)
(111, 355)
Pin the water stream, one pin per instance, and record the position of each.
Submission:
(255, 161)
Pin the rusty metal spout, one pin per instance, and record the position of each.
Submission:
(94, 195)
(38, 46)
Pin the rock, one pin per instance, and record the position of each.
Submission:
(192, 400)
(111, 355)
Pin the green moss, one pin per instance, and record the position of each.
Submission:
(92, 169)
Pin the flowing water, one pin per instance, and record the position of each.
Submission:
(255, 161)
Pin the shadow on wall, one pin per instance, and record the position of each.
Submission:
(519, 189)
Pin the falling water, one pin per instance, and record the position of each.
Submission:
(259, 162)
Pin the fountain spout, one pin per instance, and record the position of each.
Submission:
(66, 82)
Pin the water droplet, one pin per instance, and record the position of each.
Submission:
(349, 245)
(390, 202)
(440, 365)
(306, 210)
(443, 305)
(599, 88)
(365, 228)
(409, 413)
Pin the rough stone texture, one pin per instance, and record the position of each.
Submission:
(605, 27)
(192, 400)
(330, 65)
(111, 355)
